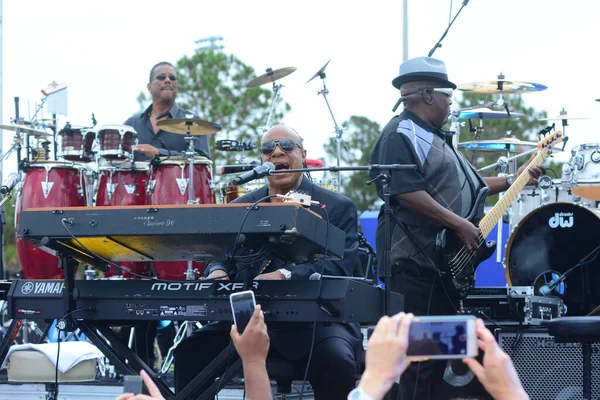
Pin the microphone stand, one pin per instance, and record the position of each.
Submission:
(439, 42)
(371, 167)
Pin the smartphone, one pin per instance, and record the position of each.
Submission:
(442, 337)
(132, 384)
(242, 308)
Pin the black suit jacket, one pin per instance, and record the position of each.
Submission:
(342, 214)
(293, 341)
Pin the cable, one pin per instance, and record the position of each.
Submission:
(314, 332)
(57, 360)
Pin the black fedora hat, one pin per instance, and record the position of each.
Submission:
(423, 69)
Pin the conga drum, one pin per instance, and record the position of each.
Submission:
(120, 185)
(169, 184)
(47, 184)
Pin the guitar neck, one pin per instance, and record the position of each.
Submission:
(490, 219)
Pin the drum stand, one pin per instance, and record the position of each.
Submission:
(277, 91)
(338, 129)
(185, 329)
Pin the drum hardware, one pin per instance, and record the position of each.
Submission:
(190, 128)
(339, 131)
(564, 117)
(234, 145)
(270, 77)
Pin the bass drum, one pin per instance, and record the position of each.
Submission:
(547, 243)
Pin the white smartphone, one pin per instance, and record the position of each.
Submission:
(242, 308)
(442, 337)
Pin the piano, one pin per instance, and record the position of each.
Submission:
(185, 232)
(126, 301)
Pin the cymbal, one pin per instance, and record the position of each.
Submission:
(486, 113)
(501, 86)
(505, 144)
(27, 129)
(270, 76)
(320, 72)
(562, 116)
(180, 126)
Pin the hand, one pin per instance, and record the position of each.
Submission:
(219, 275)
(271, 276)
(252, 345)
(154, 392)
(386, 355)
(147, 149)
(468, 234)
(535, 172)
(497, 375)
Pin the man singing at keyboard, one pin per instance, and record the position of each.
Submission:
(334, 369)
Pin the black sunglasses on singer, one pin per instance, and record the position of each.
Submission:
(287, 145)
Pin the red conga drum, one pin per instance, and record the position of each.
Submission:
(47, 184)
(170, 185)
(124, 184)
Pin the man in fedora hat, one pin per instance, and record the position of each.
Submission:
(438, 195)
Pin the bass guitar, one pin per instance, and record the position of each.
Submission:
(457, 264)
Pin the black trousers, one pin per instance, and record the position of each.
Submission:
(423, 295)
(333, 372)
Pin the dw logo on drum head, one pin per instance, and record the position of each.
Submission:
(564, 220)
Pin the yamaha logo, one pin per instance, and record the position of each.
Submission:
(27, 288)
(562, 220)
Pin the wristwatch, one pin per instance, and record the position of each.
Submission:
(359, 394)
(287, 274)
(510, 179)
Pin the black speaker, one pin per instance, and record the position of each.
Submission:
(548, 370)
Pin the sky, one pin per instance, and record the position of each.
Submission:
(105, 49)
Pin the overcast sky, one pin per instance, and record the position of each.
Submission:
(104, 50)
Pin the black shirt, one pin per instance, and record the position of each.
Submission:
(167, 143)
(442, 172)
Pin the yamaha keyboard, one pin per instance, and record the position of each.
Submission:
(339, 300)
(186, 232)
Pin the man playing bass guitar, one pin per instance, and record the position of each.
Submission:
(438, 195)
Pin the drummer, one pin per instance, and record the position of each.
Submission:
(154, 142)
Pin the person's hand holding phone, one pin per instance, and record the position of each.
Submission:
(386, 355)
(253, 344)
(497, 374)
(152, 389)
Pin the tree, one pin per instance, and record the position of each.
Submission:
(212, 84)
(359, 137)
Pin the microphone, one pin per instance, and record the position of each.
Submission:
(9, 183)
(233, 169)
(546, 289)
(256, 173)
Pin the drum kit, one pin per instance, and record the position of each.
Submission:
(95, 167)
(551, 224)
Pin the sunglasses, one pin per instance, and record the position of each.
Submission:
(162, 77)
(287, 145)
